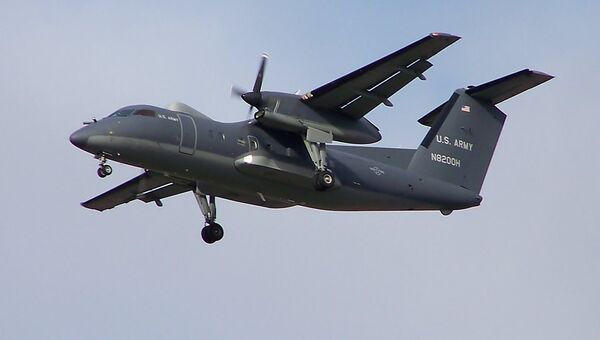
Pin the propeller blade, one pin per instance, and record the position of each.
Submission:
(249, 114)
(261, 72)
(253, 98)
(237, 91)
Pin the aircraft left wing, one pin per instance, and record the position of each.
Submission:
(147, 187)
(359, 92)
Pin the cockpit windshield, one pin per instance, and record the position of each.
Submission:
(145, 112)
(136, 112)
(122, 113)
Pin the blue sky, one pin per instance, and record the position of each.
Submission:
(524, 265)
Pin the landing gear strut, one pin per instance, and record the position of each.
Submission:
(103, 168)
(315, 145)
(212, 231)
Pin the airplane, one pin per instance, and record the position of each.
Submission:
(283, 155)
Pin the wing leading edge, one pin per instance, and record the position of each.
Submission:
(360, 91)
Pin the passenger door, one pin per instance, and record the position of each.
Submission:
(188, 138)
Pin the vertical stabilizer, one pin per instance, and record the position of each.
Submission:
(464, 131)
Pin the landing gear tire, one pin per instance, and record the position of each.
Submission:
(107, 169)
(324, 180)
(104, 170)
(212, 233)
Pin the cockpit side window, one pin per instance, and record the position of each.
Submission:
(122, 113)
(144, 112)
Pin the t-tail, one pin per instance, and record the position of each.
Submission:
(465, 129)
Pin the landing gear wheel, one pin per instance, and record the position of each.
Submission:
(324, 180)
(107, 169)
(104, 170)
(212, 233)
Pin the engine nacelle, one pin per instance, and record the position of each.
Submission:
(343, 129)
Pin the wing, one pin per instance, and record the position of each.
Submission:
(359, 92)
(147, 187)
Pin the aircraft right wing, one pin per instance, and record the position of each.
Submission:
(147, 187)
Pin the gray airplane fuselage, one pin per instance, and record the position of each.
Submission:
(284, 155)
(250, 163)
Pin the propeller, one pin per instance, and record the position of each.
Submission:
(254, 97)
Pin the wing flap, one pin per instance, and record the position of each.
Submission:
(127, 191)
(394, 70)
(164, 192)
(370, 99)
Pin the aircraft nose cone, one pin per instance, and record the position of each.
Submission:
(79, 139)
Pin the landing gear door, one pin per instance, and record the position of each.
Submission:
(188, 135)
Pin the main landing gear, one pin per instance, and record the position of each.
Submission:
(323, 180)
(103, 168)
(212, 231)
(315, 145)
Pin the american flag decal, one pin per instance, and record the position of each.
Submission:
(466, 108)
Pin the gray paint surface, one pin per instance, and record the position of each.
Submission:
(523, 265)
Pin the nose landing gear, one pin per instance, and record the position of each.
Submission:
(212, 231)
(103, 168)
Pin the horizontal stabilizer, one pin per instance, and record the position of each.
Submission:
(501, 89)
(495, 91)
(429, 118)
